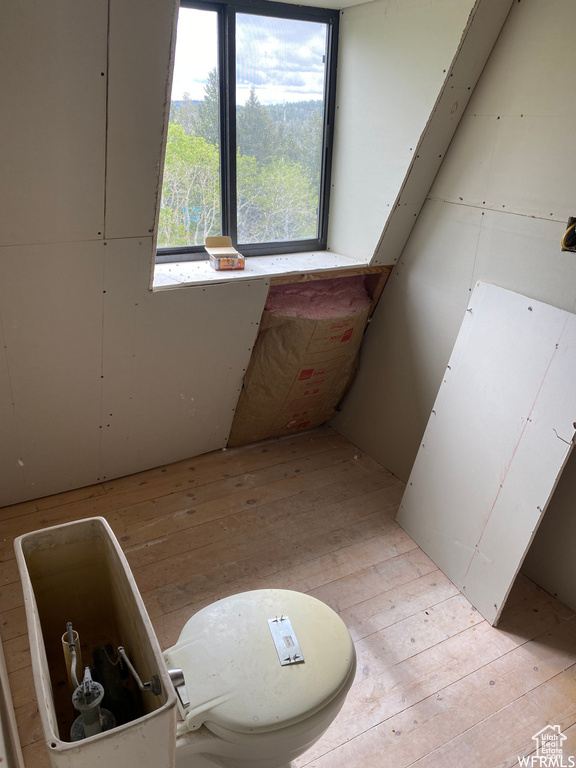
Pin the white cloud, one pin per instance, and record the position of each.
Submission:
(283, 59)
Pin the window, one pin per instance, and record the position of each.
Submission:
(250, 131)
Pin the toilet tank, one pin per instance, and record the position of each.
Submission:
(77, 573)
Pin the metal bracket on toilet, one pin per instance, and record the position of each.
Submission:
(285, 640)
(177, 677)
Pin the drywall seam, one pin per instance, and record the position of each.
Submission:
(434, 155)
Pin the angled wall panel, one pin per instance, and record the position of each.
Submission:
(498, 437)
(173, 363)
(484, 24)
(139, 79)
(421, 310)
(392, 63)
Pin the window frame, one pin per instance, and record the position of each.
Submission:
(227, 10)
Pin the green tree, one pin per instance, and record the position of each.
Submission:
(278, 170)
(255, 132)
(310, 145)
(190, 208)
(275, 202)
(185, 113)
(207, 120)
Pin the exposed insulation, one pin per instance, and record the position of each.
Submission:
(304, 358)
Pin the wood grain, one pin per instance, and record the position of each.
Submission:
(436, 684)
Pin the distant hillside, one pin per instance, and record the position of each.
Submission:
(291, 115)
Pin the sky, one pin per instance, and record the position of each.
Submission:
(281, 58)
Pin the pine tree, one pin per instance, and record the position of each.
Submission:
(207, 121)
(255, 131)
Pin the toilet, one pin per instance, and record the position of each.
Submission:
(252, 704)
(256, 678)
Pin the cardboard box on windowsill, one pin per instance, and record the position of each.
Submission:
(222, 253)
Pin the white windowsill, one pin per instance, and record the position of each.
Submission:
(184, 273)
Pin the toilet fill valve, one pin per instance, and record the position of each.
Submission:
(93, 718)
(86, 699)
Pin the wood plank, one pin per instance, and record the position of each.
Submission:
(166, 480)
(174, 578)
(424, 653)
(192, 524)
(302, 577)
(498, 739)
(13, 623)
(428, 726)
(230, 461)
(305, 277)
(394, 698)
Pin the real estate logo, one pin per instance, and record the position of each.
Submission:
(549, 751)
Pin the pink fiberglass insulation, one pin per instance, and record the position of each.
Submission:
(319, 299)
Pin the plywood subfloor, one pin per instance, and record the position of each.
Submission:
(436, 687)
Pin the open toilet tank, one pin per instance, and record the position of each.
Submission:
(77, 573)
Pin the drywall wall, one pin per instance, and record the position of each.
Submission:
(105, 377)
(99, 377)
(406, 71)
(53, 121)
(496, 212)
(496, 442)
(550, 561)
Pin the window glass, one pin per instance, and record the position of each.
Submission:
(190, 208)
(247, 152)
(280, 74)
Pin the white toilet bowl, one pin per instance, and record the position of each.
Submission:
(248, 707)
(265, 672)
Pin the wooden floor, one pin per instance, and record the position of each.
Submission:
(436, 687)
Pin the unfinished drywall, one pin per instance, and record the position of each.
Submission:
(98, 376)
(140, 44)
(484, 219)
(550, 561)
(496, 212)
(496, 442)
(107, 378)
(173, 362)
(53, 121)
(406, 71)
